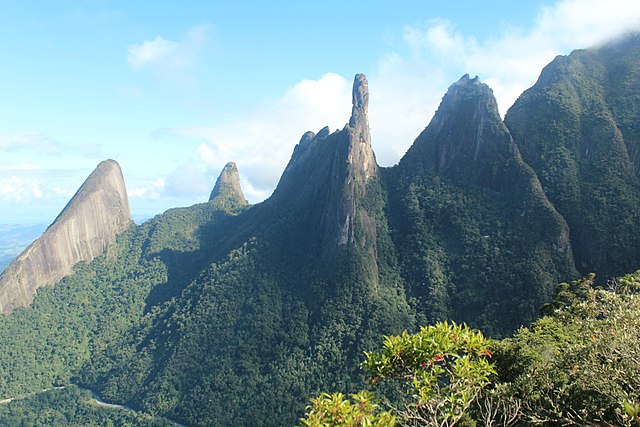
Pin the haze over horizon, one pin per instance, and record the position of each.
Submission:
(176, 91)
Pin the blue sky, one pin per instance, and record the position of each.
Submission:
(175, 90)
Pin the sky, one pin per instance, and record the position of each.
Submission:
(173, 90)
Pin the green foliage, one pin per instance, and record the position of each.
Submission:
(580, 364)
(330, 410)
(69, 407)
(464, 254)
(632, 412)
(438, 373)
(568, 294)
(442, 368)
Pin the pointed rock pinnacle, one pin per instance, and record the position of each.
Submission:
(227, 192)
(360, 99)
(360, 153)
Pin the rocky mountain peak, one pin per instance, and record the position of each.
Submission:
(360, 155)
(326, 181)
(360, 101)
(306, 138)
(227, 192)
(470, 90)
(352, 146)
(106, 178)
(466, 135)
(90, 222)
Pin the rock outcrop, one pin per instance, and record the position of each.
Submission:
(360, 152)
(90, 222)
(466, 138)
(227, 193)
(328, 175)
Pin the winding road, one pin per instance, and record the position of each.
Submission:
(96, 399)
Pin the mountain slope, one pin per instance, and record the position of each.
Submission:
(477, 238)
(69, 328)
(309, 283)
(96, 214)
(577, 128)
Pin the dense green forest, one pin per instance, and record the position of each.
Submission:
(577, 128)
(228, 314)
(70, 406)
(576, 365)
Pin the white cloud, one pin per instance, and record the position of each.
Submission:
(150, 190)
(24, 183)
(262, 141)
(407, 87)
(586, 22)
(188, 180)
(19, 167)
(153, 52)
(20, 190)
(171, 59)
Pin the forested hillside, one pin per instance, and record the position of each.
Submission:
(478, 240)
(578, 129)
(224, 313)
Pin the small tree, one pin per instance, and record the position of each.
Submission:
(439, 372)
(443, 369)
(329, 410)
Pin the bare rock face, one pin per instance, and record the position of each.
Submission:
(360, 152)
(90, 222)
(361, 166)
(227, 193)
(326, 182)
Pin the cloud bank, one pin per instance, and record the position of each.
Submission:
(261, 141)
(41, 144)
(169, 59)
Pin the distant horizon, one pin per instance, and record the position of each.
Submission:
(176, 91)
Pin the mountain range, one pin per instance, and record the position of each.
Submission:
(225, 313)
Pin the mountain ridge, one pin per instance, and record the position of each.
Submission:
(236, 315)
